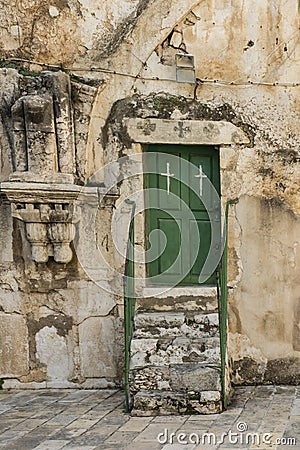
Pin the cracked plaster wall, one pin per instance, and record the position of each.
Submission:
(228, 43)
(90, 29)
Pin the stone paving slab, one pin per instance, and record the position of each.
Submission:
(95, 420)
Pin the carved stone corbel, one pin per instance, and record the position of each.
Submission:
(49, 215)
(36, 234)
(61, 235)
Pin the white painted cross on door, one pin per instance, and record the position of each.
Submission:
(168, 174)
(201, 175)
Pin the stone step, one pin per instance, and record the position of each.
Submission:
(161, 352)
(179, 299)
(191, 325)
(167, 403)
(184, 378)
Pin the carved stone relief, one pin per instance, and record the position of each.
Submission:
(41, 187)
(185, 131)
(43, 133)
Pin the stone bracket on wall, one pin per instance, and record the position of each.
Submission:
(48, 212)
(164, 131)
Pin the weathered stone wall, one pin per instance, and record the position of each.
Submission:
(247, 59)
(92, 30)
(59, 328)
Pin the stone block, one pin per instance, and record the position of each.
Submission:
(140, 351)
(36, 375)
(10, 298)
(163, 320)
(170, 403)
(168, 325)
(14, 383)
(150, 379)
(52, 351)
(183, 350)
(97, 347)
(160, 352)
(92, 299)
(179, 299)
(207, 320)
(195, 377)
(162, 403)
(210, 396)
(99, 383)
(201, 326)
(207, 407)
(162, 131)
(14, 353)
(283, 371)
(81, 299)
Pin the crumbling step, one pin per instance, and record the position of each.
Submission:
(191, 325)
(175, 355)
(167, 403)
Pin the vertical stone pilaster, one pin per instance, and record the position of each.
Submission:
(40, 134)
(19, 137)
(59, 85)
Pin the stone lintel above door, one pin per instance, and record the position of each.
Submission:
(191, 132)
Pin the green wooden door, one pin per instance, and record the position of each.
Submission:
(178, 224)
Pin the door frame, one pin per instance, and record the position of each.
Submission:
(226, 136)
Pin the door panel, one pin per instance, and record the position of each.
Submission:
(176, 209)
(205, 237)
(170, 260)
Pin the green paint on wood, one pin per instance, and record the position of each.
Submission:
(168, 214)
(129, 301)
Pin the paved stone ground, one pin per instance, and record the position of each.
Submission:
(95, 419)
